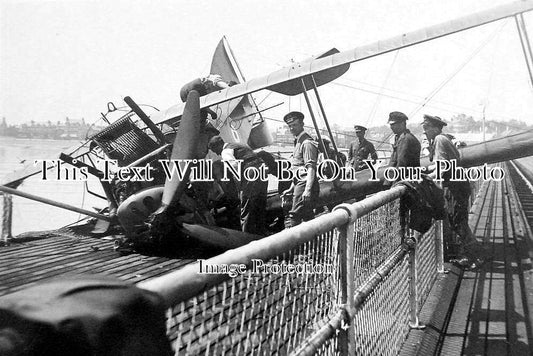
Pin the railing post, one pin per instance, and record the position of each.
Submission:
(439, 247)
(411, 241)
(7, 210)
(439, 243)
(346, 247)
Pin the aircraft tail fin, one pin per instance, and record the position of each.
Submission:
(253, 127)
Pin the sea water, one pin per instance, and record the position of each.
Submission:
(29, 215)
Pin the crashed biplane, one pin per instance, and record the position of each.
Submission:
(150, 212)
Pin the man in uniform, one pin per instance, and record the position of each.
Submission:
(305, 191)
(338, 157)
(252, 193)
(456, 194)
(406, 147)
(360, 149)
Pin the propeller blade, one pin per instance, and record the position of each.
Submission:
(218, 236)
(184, 146)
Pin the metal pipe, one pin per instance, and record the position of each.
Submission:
(148, 156)
(347, 342)
(364, 290)
(414, 323)
(439, 243)
(106, 186)
(312, 344)
(363, 207)
(526, 58)
(439, 246)
(345, 267)
(320, 142)
(140, 113)
(187, 282)
(324, 116)
(526, 36)
(350, 288)
(54, 203)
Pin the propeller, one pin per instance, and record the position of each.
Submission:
(184, 148)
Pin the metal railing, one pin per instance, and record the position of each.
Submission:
(366, 280)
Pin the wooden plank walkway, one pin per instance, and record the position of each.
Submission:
(26, 263)
(487, 311)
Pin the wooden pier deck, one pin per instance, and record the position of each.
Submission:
(26, 262)
(488, 311)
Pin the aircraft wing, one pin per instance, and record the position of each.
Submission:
(280, 85)
(334, 62)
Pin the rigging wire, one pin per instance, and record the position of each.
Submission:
(333, 131)
(457, 108)
(453, 74)
(378, 99)
(435, 91)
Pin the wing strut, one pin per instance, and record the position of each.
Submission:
(524, 40)
(325, 117)
(320, 142)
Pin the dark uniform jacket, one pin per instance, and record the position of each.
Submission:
(405, 151)
(359, 151)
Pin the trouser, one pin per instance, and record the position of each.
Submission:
(456, 206)
(253, 206)
(303, 211)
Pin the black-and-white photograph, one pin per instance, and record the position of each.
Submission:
(266, 177)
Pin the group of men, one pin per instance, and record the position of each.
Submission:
(302, 196)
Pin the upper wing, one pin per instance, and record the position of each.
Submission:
(331, 65)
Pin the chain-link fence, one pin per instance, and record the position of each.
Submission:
(267, 310)
(348, 282)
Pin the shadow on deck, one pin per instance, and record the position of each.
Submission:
(487, 311)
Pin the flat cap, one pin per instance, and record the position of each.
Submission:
(293, 115)
(397, 116)
(433, 121)
(359, 128)
(214, 141)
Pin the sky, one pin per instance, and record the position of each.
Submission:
(69, 58)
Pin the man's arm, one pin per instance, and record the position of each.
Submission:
(310, 156)
(444, 149)
(402, 153)
(373, 153)
(311, 173)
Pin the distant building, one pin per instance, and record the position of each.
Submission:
(67, 130)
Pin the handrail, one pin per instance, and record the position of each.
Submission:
(187, 282)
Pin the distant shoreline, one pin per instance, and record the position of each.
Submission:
(42, 138)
